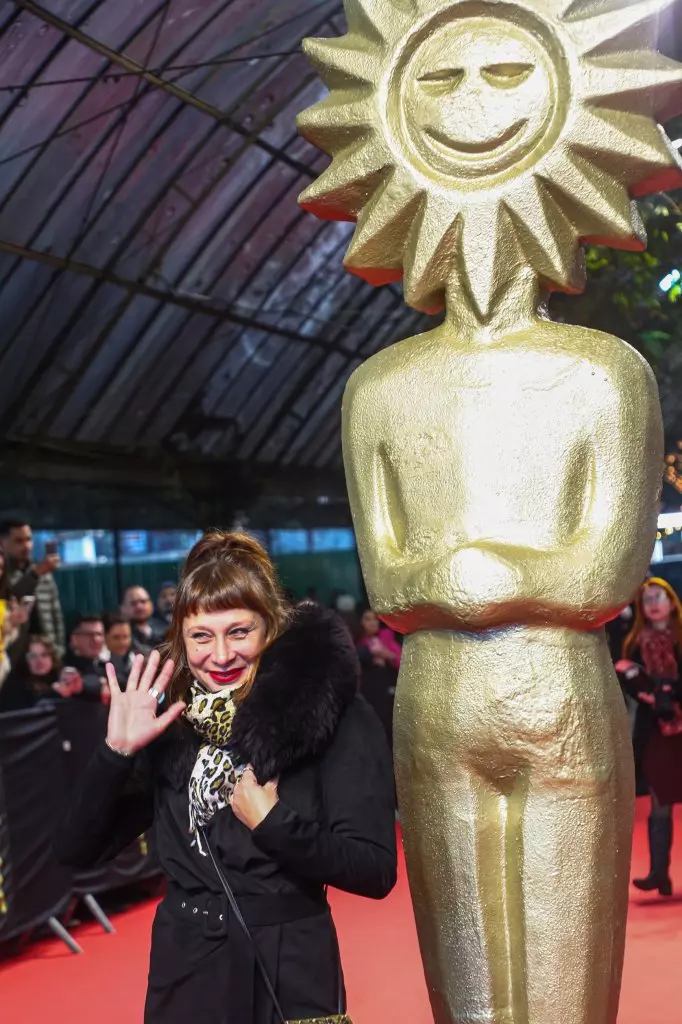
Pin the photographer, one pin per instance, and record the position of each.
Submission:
(32, 580)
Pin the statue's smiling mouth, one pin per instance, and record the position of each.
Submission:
(476, 148)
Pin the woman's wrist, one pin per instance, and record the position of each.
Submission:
(121, 751)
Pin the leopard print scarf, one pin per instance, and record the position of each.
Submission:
(215, 773)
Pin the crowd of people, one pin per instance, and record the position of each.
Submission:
(38, 661)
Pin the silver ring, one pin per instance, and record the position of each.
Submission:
(157, 695)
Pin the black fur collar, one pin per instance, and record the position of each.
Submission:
(305, 682)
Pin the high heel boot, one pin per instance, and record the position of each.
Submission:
(660, 845)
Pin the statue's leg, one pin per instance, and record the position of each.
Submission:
(515, 783)
(461, 830)
(576, 858)
(465, 877)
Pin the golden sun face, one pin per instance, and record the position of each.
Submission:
(473, 102)
(458, 127)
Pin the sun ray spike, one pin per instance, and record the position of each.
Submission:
(599, 216)
(479, 242)
(383, 227)
(378, 20)
(434, 237)
(337, 121)
(633, 150)
(341, 63)
(638, 83)
(549, 240)
(345, 187)
(599, 28)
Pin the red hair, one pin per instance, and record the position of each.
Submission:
(632, 639)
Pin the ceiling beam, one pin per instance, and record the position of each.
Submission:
(176, 298)
(169, 87)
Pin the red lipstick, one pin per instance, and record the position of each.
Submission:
(225, 678)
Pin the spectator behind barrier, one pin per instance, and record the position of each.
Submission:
(13, 616)
(379, 653)
(87, 678)
(378, 643)
(163, 616)
(345, 607)
(28, 579)
(138, 609)
(118, 636)
(35, 678)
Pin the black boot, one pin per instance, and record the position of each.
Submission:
(660, 844)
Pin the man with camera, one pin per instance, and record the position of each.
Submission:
(33, 585)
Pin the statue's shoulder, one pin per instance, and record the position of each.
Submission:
(600, 352)
(388, 367)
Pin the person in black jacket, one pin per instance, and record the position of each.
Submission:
(118, 637)
(138, 609)
(83, 659)
(651, 672)
(267, 760)
(36, 678)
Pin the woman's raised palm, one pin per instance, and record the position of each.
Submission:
(133, 715)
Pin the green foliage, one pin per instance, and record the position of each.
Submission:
(623, 294)
(623, 297)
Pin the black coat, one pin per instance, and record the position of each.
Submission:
(334, 825)
(658, 758)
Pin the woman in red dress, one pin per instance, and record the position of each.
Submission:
(651, 672)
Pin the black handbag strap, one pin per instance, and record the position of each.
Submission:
(234, 906)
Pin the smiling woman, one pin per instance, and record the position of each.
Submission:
(267, 773)
(229, 607)
(223, 647)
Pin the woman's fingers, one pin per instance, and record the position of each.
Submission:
(112, 680)
(150, 671)
(168, 717)
(165, 676)
(134, 677)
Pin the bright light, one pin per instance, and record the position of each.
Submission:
(669, 280)
(670, 521)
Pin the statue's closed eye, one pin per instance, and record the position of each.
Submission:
(506, 75)
(442, 76)
(501, 75)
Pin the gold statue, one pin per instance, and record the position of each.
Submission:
(503, 470)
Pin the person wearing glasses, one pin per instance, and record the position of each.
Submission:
(85, 674)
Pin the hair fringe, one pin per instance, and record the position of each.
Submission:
(224, 570)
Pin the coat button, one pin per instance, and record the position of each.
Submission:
(195, 910)
(183, 905)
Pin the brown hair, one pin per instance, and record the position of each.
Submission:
(224, 570)
(49, 646)
(632, 639)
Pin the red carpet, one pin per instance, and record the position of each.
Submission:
(385, 983)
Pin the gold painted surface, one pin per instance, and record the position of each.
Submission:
(515, 782)
(503, 470)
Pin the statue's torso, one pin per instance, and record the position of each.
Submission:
(506, 445)
(484, 451)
